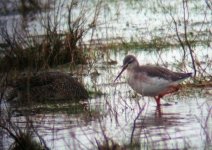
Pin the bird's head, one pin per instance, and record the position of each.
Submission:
(129, 62)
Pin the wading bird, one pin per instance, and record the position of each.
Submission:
(150, 80)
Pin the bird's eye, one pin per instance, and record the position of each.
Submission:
(130, 61)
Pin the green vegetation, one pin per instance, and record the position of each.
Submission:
(155, 44)
(96, 93)
(52, 107)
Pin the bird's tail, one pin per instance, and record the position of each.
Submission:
(188, 75)
(184, 76)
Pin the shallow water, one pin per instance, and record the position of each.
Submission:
(183, 121)
(122, 20)
(180, 125)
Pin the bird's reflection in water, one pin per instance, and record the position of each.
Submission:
(162, 116)
(157, 123)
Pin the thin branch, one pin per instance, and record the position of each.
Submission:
(185, 9)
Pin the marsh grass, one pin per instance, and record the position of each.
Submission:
(112, 145)
(25, 141)
(53, 51)
(24, 138)
(96, 93)
(34, 52)
(156, 44)
(45, 107)
(26, 52)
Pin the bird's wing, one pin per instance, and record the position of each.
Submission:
(160, 72)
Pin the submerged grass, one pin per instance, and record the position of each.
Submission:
(67, 108)
(45, 107)
(112, 145)
(155, 44)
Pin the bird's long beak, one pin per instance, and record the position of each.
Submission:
(123, 68)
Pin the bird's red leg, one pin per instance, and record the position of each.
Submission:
(157, 99)
(158, 112)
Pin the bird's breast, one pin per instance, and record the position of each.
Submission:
(146, 85)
